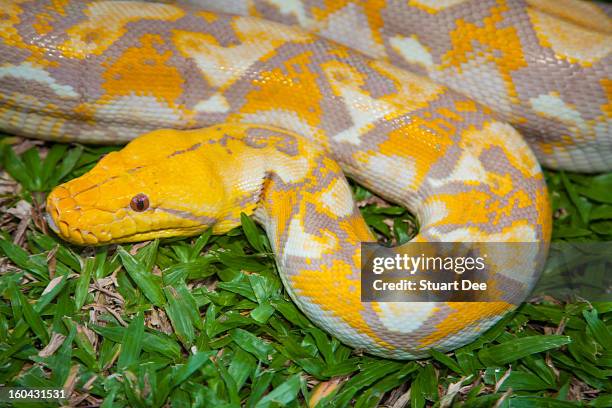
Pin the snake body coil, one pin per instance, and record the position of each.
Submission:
(545, 66)
(111, 71)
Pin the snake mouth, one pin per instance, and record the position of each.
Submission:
(73, 235)
(80, 237)
(101, 235)
(157, 234)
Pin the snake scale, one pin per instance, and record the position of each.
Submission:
(243, 114)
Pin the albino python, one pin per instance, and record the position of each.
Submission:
(257, 114)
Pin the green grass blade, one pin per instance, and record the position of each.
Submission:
(283, 394)
(149, 284)
(598, 328)
(82, 285)
(131, 344)
(515, 349)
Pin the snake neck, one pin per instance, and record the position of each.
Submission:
(291, 187)
(261, 169)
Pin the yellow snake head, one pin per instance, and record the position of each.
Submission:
(157, 186)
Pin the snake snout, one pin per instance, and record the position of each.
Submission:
(63, 216)
(53, 215)
(51, 223)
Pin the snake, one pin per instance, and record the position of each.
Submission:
(231, 114)
(543, 66)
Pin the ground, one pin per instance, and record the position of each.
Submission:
(220, 331)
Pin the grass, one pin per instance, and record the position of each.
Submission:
(206, 322)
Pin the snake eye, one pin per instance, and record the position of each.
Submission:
(140, 202)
